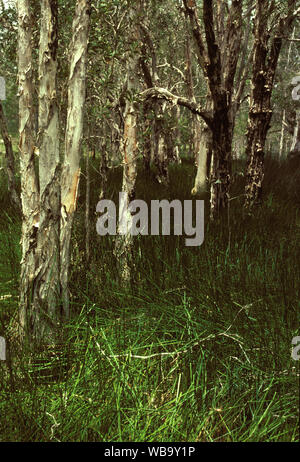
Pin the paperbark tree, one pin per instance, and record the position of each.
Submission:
(29, 184)
(265, 60)
(70, 173)
(218, 60)
(49, 199)
(201, 135)
(219, 68)
(45, 311)
(158, 139)
(124, 241)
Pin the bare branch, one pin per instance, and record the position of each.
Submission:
(162, 93)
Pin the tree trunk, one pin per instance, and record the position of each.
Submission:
(71, 166)
(265, 61)
(202, 149)
(200, 131)
(159, 143)
(124, 240)
(45, 307)
(284, 112)
(174, 147)
(29, 185)
(146, 138)
(221, 159)
(10, 161)
(218, 58)
(103, 164)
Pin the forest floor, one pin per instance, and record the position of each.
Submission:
(198, 350)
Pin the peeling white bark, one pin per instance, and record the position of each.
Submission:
(71, 166)
(29, 185)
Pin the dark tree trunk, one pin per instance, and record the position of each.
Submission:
(265, 60)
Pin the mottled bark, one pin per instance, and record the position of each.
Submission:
(10, 161)
(264, 66)
(48, 202)
(45, 308)
(29, 184)
(202, 146)
(71, 166)
(218, 60)
(200, 131)
(124, 240)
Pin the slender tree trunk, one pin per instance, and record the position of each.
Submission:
(147, 138)
(202, 147)
(260, 111)
(176, 142)
(103, 165)
(87, 208)
(71, 166)
(200, 131)
(10, 161)
(45, 309)
(221, 160)
(29, 185)
(124, 240)
(159, 143)
(284, 117)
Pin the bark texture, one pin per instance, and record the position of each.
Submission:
(70, 173)
(29, 184)
(218, 60)
(265, 60)
(124, 240)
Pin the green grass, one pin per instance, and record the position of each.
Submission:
(198, 350)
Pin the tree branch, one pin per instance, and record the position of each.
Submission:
(162, 93)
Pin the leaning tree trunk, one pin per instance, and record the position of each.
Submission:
(71, 166)
(29, 185)
(10, 160)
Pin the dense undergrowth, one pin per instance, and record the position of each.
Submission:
(198, 350)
